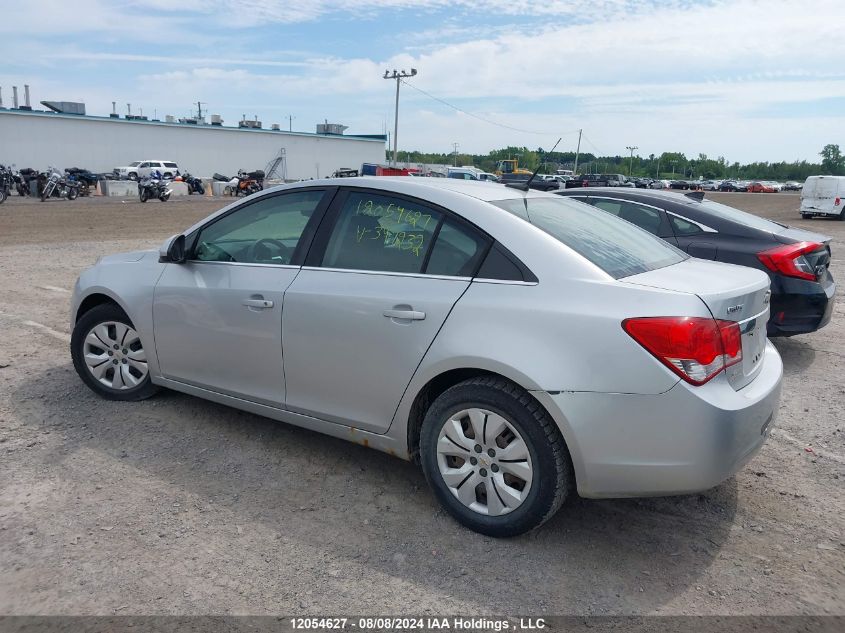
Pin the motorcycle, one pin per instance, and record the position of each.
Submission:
(154, 186)
(52, 185)
(84, 177)
(22, 178)
(245, 183)
(5, 183)
(194, 184)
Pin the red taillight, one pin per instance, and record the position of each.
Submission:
(837, 202)
(789, 260)
(695, 348)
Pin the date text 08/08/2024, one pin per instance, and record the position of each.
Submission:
(410, 623)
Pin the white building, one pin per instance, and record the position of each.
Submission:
(41, 139)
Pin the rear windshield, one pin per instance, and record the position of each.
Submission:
(618, 247)
(730, 213)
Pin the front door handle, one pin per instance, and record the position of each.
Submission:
(258, 303)
(410, 315)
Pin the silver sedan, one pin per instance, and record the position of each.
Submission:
(520, 346)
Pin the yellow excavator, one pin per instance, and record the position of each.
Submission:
(510, 166)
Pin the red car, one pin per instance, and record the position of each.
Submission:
(761, 187)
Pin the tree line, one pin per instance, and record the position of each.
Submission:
(666, 165)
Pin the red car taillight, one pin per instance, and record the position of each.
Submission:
(837, 202)
(695, 348)
(789, 260)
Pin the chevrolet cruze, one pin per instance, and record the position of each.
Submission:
(520, 346)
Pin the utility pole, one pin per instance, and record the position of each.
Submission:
(398, 76)
(455, 146)
(658, 167)
(200, 104)
(577, 151)
(631, 148)
(290, 122)
(674, 162)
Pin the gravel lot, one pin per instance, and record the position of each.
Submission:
(180, 506)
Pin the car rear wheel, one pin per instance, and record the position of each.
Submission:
(494, 458)
(132, 176)
(109, 356)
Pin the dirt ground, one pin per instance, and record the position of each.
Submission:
(180, 506)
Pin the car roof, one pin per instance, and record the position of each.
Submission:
(479, 189)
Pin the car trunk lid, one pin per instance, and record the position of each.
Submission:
(734, 293)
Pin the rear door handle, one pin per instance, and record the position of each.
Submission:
(258, 303)
(410, 315)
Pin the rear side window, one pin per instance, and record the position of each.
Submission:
(644, 217)
(457, 251)
(171, 165)
(682, 227)
(614, 246)
(381, 233)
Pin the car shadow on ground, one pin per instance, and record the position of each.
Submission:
(796, 352)
(366, 509)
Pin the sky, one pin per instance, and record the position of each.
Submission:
(745, 79)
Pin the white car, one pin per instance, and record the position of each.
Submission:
(142, 168)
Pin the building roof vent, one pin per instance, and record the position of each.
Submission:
(331, 128)
(65, 107)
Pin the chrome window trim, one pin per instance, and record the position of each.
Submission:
(202, 261)
(386, 272)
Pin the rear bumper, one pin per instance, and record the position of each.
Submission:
(684, 440)
(800, 306)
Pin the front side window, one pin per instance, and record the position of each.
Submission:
(381, 233)
(617, 248)
(264, 232)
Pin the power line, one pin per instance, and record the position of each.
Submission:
(481, 118)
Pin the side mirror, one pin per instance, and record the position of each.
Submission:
(173, 250)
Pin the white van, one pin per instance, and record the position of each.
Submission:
(824, 196)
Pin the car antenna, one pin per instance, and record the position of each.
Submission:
(527, 184)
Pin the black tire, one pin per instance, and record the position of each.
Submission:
(72, 193)
(142, 195)
(2, 196)
(89, 320)
(132, 175)
(200, 189)
(842, 215)
(553, 477)
(806, 216)
(44, 195)
(164, 197)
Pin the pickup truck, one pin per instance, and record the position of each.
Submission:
(599, 180)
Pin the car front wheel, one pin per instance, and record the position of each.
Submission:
(109, 356)
(494, 458)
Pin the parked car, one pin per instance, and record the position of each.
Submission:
(796, 261)
(599, 180)
(823, 196)
(679, 184)
(732, 185)
(792, 186)
(519, 345)
(759, 186)
(659, 184)
(143, 168)
(709, 185)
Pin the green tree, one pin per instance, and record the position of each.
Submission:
(832, 160)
